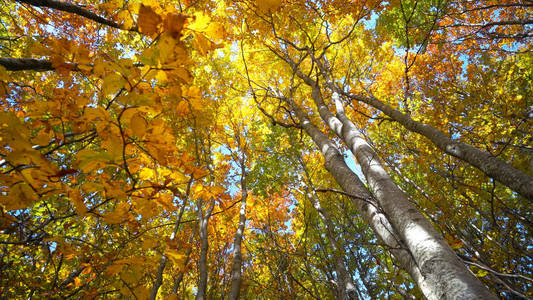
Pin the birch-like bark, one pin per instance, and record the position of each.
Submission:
(204, 248)
(359, 194)
(345, 286)
(236, 276)
(437, 270)
(493, 167)
(444, 276)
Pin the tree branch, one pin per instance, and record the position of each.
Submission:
(75, 9)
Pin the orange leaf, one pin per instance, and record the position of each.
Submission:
(148, 20)
(174, 24)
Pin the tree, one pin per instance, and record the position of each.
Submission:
(155, 149)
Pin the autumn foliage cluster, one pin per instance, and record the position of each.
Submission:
(191, 148)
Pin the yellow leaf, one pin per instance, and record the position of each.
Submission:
(43, 138)
(3, 89)
(113, 269)
(113, 83)
(20, 196)
(161, 77)
(118, 215)
(165, 47)
(4, 75)
(148, 20)
(77, 201)
(165, 200)
(200, 23)
(112, 5)
(113, 218)
(148, 243)
(88, 160)
(4, 78)
(174, 24)
(85, 68)
(142, 292)
(216, 30)
(146, 173)
(266, 6)
(183, 108)
(127, 21)
(138, 125)
(202, 44)
(177, 258)
(482, 273)
(99, 67)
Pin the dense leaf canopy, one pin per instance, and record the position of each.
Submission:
(184, 148)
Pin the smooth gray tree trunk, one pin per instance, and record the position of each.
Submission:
(236, 275)
(493, 167)
(204, 248)
(444, 276)
(362, 199)
(431, 262)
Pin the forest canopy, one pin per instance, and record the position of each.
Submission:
(266, 149)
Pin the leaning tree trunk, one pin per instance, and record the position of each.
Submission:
(362, 199)
(493, 167)
(433, 265)
(444, 276)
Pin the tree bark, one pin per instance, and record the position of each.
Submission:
(370, 211)
(493, 167)
(236, 276)
(432, 263)
(204, 248)
(75, 9)
(23, 64)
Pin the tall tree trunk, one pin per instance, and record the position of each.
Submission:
(363, 200)
(204, 248)
(441, 274)
(345, 286)
(432, 264)
(236, 276)
(444, 275)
